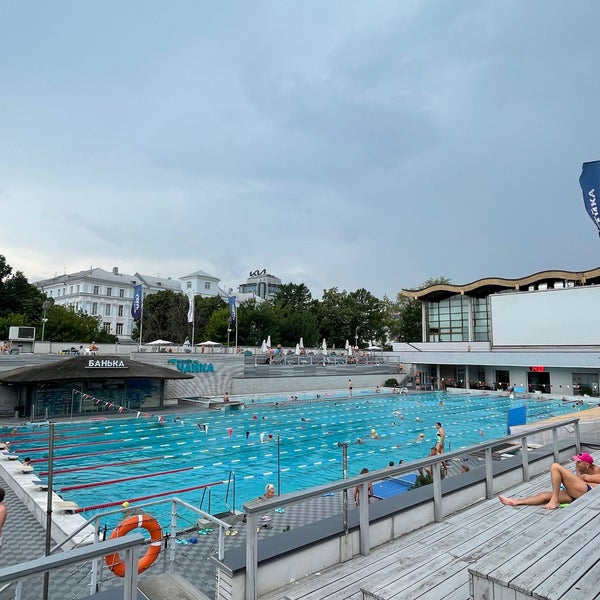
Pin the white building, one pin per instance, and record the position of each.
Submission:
(539, 333)
(107, 294)
(200, 283)
(261, 284)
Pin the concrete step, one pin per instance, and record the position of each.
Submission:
(170, 586)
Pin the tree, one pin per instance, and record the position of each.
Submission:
(17, 295)
(65, 324)
(294, 311)
(350, 316)
(404, 317)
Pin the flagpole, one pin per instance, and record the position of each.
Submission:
(193, 320)
(141, 321)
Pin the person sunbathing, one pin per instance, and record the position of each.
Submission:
(574, 485)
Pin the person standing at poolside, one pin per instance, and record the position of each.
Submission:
(350, 387)
(440, 438)
(357, 488)
(3, 513)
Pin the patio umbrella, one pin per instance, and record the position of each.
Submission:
(347, 345)
(209, 344)
(324, 347)
(159, 343)
(268, 341)
(297, 349)
(349, 350)
(301, 344)
(264, 347)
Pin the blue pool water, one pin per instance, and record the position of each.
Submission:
(307, 434)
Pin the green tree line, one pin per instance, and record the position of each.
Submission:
(358, 317)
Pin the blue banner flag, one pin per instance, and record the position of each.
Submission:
(232, 310)
(590, 186)
(137, 303)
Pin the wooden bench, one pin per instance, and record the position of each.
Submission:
(559, 564)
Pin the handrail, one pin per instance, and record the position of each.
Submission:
(128, 544)
(255, 507)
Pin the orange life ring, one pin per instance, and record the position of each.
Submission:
(150, 524)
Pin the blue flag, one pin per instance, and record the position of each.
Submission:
(232, 310)
(590, 186)
(137, 303)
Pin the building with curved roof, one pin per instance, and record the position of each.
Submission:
(540, 333)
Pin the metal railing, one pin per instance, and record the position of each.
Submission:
(128, 544)
(255, 508)
(96, 530)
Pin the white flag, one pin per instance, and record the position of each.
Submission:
(191, 309)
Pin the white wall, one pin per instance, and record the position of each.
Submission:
(561, 317)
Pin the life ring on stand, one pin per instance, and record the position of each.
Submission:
(150, 524)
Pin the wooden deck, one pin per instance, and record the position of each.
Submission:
(433, 562)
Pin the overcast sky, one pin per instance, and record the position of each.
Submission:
(337, 144)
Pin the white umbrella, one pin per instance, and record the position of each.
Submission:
(264, 347)
(268, 341)
(297, 349)
(301, 344)
(159, 343)
(209, 343)
(349, 350)
(347, 345)
(324, 347)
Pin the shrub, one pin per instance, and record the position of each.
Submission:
(393, 382)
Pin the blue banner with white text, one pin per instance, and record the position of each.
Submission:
(137, 303)
(232, 310)
(590, 186)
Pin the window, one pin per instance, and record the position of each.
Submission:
(106, 327)
(119, 328)
(78, 289)
(107, 310)
(71, 290)
(207, 285)
(121, 310)
(94, 308)
(188, 285)
(96, 290)
(121, 293)
(109, 291)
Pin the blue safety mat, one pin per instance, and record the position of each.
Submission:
(394, 486)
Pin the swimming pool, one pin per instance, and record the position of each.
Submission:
(104, 462)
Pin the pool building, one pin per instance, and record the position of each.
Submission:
(535, 334)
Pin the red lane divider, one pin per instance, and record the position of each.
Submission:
(103, 465)
(59, 446)
(141, 498)
(37, 460)
(80, 486)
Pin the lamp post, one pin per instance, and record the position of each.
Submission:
(45, 306)
(228, 332)
(344, 447)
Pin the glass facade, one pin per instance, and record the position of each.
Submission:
(481, 319)
(448, 319)
(63, 399)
